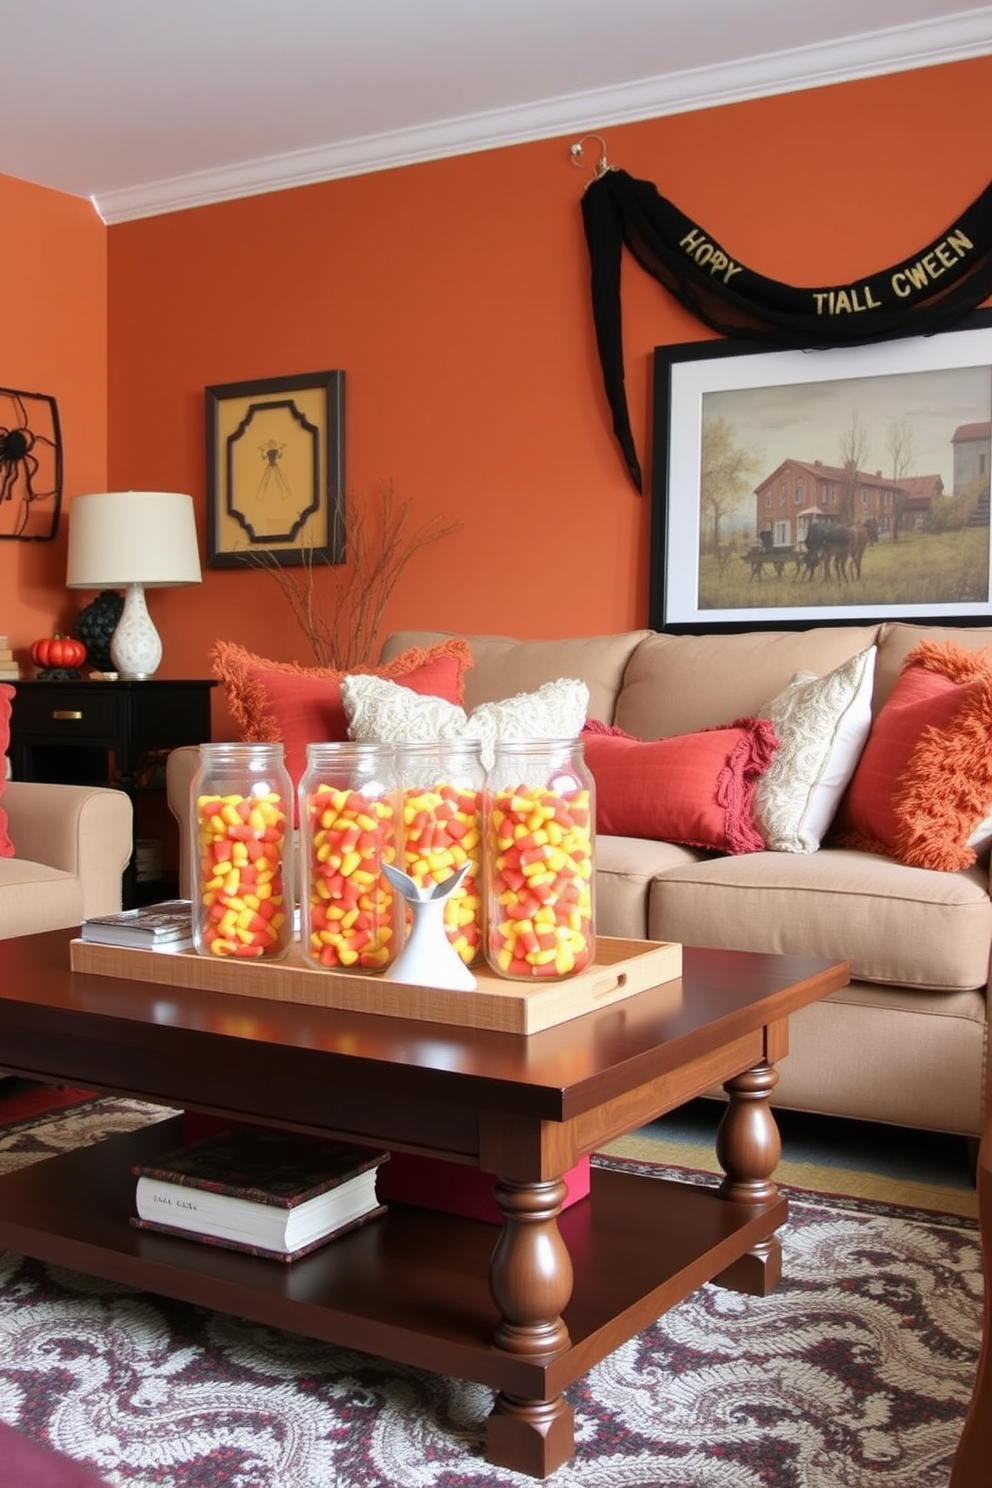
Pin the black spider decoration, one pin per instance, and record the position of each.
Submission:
(30, 466)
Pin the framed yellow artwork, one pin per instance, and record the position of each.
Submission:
(275, 471)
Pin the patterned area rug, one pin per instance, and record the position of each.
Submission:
(857, 1371)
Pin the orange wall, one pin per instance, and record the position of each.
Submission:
(455, 296)
(53, 284)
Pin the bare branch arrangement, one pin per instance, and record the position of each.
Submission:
(380, 542)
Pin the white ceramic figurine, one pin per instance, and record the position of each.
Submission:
(428, 959)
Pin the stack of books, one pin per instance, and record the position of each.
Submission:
(168, 924)
(271, 1193)
(9, 670)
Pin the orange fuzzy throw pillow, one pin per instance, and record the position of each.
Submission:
(923, 785)
(280, 700)
(6, 693)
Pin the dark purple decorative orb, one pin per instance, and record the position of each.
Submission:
(95, 626)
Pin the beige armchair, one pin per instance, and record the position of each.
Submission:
(72, 843)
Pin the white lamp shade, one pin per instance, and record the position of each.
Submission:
(118, 538)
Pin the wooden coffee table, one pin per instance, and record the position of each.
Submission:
(526, 1309)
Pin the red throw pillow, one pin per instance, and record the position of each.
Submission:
(695, 789)
(924, 781)
(6, 693)
(280, 700)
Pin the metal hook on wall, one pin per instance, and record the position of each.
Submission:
(602, 164)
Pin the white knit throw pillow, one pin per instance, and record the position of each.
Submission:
(384, 712)
(822, 724)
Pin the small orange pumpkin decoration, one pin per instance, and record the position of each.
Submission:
(58, 651)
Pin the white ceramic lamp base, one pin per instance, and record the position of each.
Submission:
(135, 649)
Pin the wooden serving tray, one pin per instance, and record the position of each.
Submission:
(622, 968)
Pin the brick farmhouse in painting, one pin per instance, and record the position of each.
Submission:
(801, 492)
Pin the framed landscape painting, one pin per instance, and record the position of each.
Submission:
(808, 487)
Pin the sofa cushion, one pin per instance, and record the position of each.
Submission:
(911, 927)
(626, 867)
(503, 665)
(697, 789)
(676, 684)
(275, 700)
(384, 712)
(896, 640)
(923, 786)
(6, 694)
(821, 724)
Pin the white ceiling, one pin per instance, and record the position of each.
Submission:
(148, 106)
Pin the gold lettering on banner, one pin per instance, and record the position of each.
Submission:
(708, 255)
(942, 256)
(845, 301)
(850, 299)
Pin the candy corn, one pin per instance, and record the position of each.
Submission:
(541, 866)
(441, 831)
(240, 842)
(351, 914)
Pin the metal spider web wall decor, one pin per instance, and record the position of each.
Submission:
(30, 466)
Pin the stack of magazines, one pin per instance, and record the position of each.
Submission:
(152, 925)
(272, 1193)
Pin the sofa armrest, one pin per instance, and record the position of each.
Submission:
(85, 830)
(180, 767)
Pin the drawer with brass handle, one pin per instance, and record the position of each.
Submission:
(39, 715)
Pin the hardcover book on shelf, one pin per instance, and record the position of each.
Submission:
(150, 925)
(271, 1193)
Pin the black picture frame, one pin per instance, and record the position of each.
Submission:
(30, 466)
(275, 471)
(916, 385)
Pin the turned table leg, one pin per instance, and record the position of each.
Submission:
(531, 1282)
(748, 1147)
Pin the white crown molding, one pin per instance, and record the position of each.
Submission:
(898, 49)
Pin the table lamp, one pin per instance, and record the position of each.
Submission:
(133, 540)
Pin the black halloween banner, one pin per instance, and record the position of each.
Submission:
(931, 291)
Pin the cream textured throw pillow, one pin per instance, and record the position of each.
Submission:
(822, 724)
(386, 713)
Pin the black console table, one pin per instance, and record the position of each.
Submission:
(111, 733)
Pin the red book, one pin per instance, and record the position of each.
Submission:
(457, 1189)
(431, 1182)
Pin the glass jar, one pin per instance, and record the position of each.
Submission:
(350, 824)
(442, 782)
(242, 809)
(540, 823)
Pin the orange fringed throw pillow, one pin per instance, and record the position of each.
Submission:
(281, 700)
(923, 784)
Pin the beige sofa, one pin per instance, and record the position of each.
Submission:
(72, 844)
(906, 1042)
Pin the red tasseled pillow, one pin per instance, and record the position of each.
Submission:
(695, 789)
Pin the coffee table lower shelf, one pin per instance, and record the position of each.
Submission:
(413, 1285)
